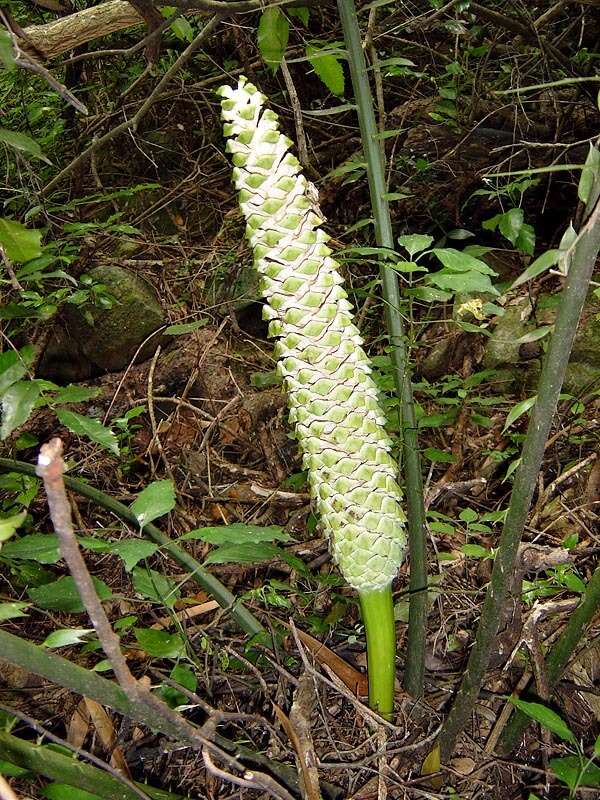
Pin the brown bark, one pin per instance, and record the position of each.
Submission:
(69, 32)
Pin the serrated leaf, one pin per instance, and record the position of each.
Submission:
(132, 551)
(18, 242)
(160, 644)
(66, 636)
(273, 34)
(154, 586)
(40, 547)
(8, 526)
(22, 144)
(415, 243)
(518, 410)
(185, 327)
(238, 533)
(62, 595)
(589, 174)
(91, 428)
(12, 610)
(547, 718)
(17, 404)
(74, 394)
(328, 67)
(537, 267)
(154, 501)
(244, 553)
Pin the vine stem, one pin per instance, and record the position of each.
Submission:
(245, 619)
(581, 259)
(415, 659)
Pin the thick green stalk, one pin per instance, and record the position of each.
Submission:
(582, 261)
(557, 659)
(45, 760)
(245, 619)
(415, 660)
(377, 610)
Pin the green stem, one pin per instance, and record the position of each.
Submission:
(415, 659)
(44, 760)
(59, 670)
(583, 257)
(377, 610)
(557, 659)
(245, 619)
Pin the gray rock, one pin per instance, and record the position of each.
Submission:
(93, 340)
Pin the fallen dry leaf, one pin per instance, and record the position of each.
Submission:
(350, 677)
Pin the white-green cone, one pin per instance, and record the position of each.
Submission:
(333, 400)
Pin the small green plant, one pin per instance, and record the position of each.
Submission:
(575, 770)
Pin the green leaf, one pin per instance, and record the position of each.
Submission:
(12, 610)
(568, 770)
(17, 404)
(301, 13)
(63, 791)
(461, 261)
(245, 553)
(91, 428)
(510, 224)
(541, 264)
(22, 144)
(415, 243)
(547, 718)
(328, 67)
(133, 550)
(155, 587)
(8, 526)
(7, 53)
(429, 295)
(533, 336)
(74, 394)
(18, 242)
(589, 174)
(475, 551)
(597, 747)
(154, 501)
(186, 327)
(62, 595)
(433, 454)
(468, 282)
(184, 675)
(526, 239)
(392, 196)
(40, 547)
(238, 533)
(13, 366)
(518, 410)
(182, 29)
(160, 644)
(66, 636)
(273, 34)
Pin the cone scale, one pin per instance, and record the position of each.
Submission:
(334, 403)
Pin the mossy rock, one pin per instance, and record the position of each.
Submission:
(93, 340)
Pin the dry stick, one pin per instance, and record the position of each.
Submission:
(140, 113)
(581, 256)
(297, 110)
(50, 470)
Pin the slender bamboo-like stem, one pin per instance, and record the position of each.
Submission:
(377, 610)
(245, 619)
(557, 659)
(64, 673)
(582, 258)
(415, 661)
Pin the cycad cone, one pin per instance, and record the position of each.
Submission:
(333, 400)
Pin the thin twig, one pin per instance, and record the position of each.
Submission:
(297, 111)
